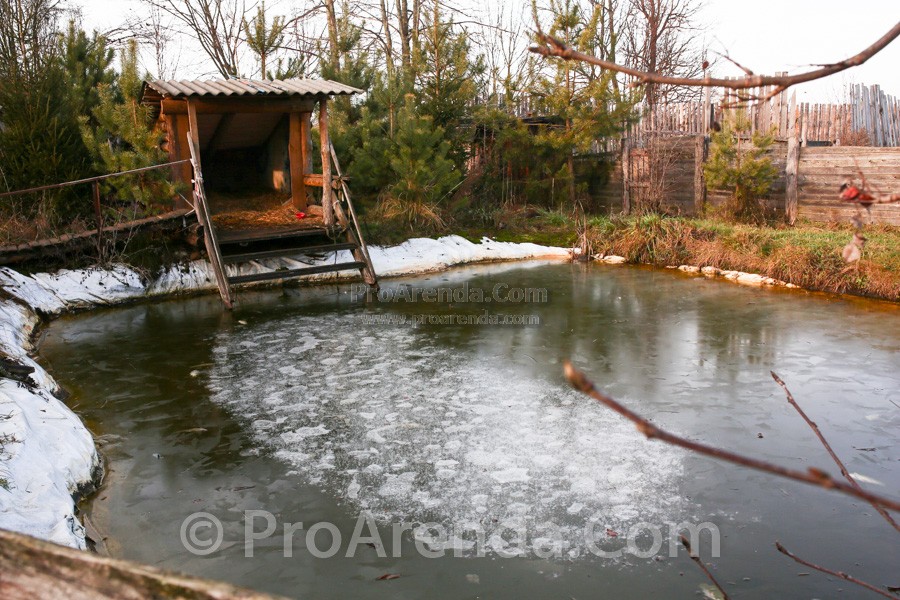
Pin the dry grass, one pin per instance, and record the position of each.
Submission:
(807, 255)
(418, 216)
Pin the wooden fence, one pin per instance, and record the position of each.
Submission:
(667, 175)
(870, 118)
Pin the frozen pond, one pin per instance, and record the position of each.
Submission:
(307, 406)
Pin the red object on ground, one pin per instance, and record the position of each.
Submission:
(300, 215)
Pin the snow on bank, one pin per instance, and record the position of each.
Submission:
(46, 453)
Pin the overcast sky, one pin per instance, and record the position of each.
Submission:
(763, 35)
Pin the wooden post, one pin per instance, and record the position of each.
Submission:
(626, 167)
(194, 129)
(792, 166)
(306, 144)
(98, 214)
(704, 128)
(177, 126)
(296, 157)
(327, 192)
(699, 177)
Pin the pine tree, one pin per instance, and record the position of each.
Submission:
(264, 39)
(87, 62)
(445, 75)
(746, 172)
(123, 139)
(39, 139)
(423, 175)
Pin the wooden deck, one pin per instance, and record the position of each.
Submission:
(262, 234)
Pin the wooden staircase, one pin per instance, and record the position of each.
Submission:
(227, 247)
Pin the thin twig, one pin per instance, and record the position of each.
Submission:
(699, 563)
(839, 574)
(812, 476)
(834, 457)
(554, 47)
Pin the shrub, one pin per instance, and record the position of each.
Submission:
(746, 172)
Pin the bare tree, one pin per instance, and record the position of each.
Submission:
(28, 37)
(216, 24)
(549, 46)
(157, 33)
(504, 45)
(660, 37)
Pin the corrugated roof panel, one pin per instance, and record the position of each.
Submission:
(247, 87)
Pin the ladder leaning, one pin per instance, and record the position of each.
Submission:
(201, 208)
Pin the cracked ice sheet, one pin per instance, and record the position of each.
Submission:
(415, 432)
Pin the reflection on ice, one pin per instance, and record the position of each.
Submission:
(412, 431)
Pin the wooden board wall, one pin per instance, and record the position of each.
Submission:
(821, 172)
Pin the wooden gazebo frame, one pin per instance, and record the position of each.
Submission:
(201, 117)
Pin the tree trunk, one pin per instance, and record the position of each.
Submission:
(403, 22)
(332, 34)
(388, 42)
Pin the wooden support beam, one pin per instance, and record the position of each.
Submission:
(306, 141)
(792, 166)
(177, 126)
(295, 157)
(219, 133)
(315, 180)
(253, 105)
(700, 149)
(626, 176)
(327, 193)
(194, 129)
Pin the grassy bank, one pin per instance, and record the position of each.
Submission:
(807, 255)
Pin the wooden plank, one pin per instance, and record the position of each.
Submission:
(327, 194)
(257, 235)
(291, 273)
(202, 210)
(247, 256)
(171, 106)
(31, 568)
(295, 157)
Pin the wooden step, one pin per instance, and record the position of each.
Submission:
(262, 235)
(246, 256)
(290, 273)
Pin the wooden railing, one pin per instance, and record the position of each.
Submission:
(201, 208)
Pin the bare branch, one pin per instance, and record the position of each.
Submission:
(839, 574)
(815, 428)
(812, 476)
(553, 47)
(699, 563)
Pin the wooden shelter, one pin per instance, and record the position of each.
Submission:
(252, 171)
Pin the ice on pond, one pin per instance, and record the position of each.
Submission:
(414, 432)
